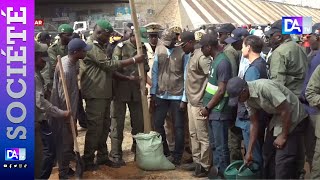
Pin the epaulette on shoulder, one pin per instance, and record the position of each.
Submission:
(120, 44)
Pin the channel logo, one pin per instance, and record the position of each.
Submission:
(296, 25)
(15, 154)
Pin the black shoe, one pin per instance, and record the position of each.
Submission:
(71, 172)
(200, 172)
(189, 167)
(213, 173)
(91, 167)
(175, 161)
(119, 161)
(109, 163)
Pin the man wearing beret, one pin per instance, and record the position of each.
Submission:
(58, 48)
(126, 92)
(96, 71)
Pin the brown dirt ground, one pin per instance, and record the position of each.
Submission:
(130, 171)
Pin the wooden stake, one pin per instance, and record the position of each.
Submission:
(146, 117)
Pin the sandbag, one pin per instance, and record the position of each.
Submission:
(149, 152)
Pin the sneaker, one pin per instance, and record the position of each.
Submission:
(189, 167)
(119, 161)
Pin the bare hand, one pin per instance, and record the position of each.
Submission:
(183, 106)
(139, 58)
(67, 114)
(134, 78)
(204, 112)
(248, 159)
(280, 141)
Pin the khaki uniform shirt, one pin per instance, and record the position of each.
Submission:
(128, 90)
(288, 65)
(43, 107)
(234, 58)
(96, 72)
(313, 94)
(268, 95)
(197, 77)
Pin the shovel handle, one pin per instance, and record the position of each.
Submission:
(66, 94)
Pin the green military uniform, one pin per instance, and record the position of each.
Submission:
(313, 97)
(268, 95)
(126, 93)
(54, 50)
(235, 133)
(96, 88)
(288, 65)
(43, 108)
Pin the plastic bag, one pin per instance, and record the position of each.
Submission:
(149, 152)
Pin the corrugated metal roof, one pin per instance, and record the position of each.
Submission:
(242, 11)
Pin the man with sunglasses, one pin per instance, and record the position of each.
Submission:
(96, 71)
(283, 141)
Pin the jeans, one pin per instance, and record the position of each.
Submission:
(219, 130)
(257, 147)
(162, 107)
(48, 150)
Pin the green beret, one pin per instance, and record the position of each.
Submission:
(143, 34)
(65, 28)
(105, 25)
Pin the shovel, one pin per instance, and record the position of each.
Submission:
(80, 164)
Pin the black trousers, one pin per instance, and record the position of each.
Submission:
(48, 150)
(284, 163)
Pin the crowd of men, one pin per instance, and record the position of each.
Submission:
(210, 90)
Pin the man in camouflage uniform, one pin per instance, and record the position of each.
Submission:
(96, 86)
(126, 92)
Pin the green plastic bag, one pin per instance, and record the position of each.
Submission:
(149, 152)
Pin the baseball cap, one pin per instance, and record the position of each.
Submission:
(77, 43)
(167, 37)
(208, 39)
(186, 36)
(316, 28)
(105, 25)
(275, 27)
(227, 28)
(237, 35)
(234, 87)
(65, 28)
